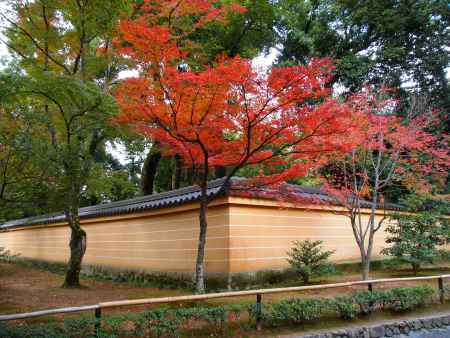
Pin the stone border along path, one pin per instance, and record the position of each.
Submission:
(427, 327)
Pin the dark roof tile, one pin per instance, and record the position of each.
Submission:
(171, 198)
(137, 204)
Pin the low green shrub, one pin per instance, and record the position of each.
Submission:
(397, 300)
(128, 325)
(345, 307)
(447, 291)
(7, 256)
(309, 259)
(54, 267)
(159, 280)
(214, 320)
(4, 253)
(31, 331)
(408, 298)
(272, 277)
(295, 310)
(268, 316)
(162, 323)
(301, 310)
(78, 327)
(368, 301)
(243, 281)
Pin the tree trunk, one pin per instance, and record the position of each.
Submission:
(305, 278)
(77, 249)
(176, 178)
(149, 170)
(220, 172)
(199, 267)
(365, 255)
(365, 262)
(416, 268)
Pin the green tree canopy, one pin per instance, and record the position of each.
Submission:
(65, 75)
(399, 43)
(416, 237)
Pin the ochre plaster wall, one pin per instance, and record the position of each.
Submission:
(161, 241)
(243, 235)
(262, 232)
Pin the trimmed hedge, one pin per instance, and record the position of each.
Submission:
(216, 320)
(154, 323)
(300, 310)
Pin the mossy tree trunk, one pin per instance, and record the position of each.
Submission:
(177, 172)
(77, 250)
(200, 263)
(149, 170)
(78, 241)
(416, 268)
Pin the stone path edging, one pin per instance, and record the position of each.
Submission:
(387, 329)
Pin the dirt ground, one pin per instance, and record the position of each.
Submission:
(25, 289)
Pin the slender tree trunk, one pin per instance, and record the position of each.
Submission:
(149, 170)
(365, 262)
(368, 252)
(77, 248)
(199, 266)
(305, 278)
(416, 268)
(366, 257)
(360, 241)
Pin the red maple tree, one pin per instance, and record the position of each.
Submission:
(390, 149)
(228, 114)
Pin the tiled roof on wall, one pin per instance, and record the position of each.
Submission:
(169, 198)
(160, 200)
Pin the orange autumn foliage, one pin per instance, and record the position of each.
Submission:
(229, 115)
(226, 114)
(283, 122)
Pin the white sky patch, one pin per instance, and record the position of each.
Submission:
(339, 89)
(4, 54)
(128, 73)
(119, 151)
(263, 62)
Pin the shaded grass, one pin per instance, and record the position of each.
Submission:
(239, 281)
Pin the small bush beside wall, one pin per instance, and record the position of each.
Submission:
(309, 259)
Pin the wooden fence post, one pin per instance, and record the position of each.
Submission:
(370, 289)
(258, 312)
(441, 290)
(98, 321)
